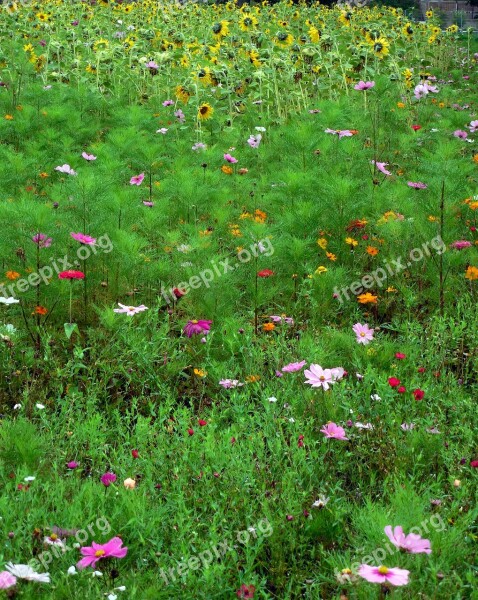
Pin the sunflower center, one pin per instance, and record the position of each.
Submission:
(100, 553)
(383, 570)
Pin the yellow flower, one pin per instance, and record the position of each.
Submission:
(100, 44)
(9, 117)
(182, 94)
(381, 47)
(475, 158)
(471, 273)
(248, 22)
(322, 243)
(227, 170)
(367, 298)
(205, 112)
(432, 218)
(400, 105)
(351, 242)
(391, 290)
(28, 48)
(330, 256)
(320, 270)
(200, 372)
(220, 29)
(252, 378)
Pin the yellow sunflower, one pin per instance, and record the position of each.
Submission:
(205, 112)
(248, 22)
(220, 29)
(381, 47)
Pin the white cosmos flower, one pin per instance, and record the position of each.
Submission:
(29, 478)
(72, 570)
(17, 407)
(27, 573)
(272, 399)
(10, 300)
(40, 406)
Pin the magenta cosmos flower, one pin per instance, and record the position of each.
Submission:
(137, 179)
(83, 238)
(71, 274)
(332, 430)
(107, 479)
(381, 167)
(7, 580)
(319, 377)
(460, 244)
(363, 332)
(417, 185)
(230, 159)
(364, 85)
(383, 574)
(42, 240)
(92, 554)
(196, 327)
(130, 310)
(411, 543)
(459, 133)
(293, 367)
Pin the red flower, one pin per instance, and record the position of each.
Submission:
(265, 273)
(202, 423)
(474, 464)
(300, 443)
(134, 453)
(178, 293)
(400, 355)
(246, 591)
(401, 389)
(419, 394)
(416, 127)
(191, 431)
(393, 382)
(233, 440)
(70, 274)
(421, 369)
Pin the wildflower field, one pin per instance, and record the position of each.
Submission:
(238, 316)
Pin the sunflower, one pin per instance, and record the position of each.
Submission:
(408, 31)
(284, 39)
(452, 29)
(43, 17)
(248, 22)
(182, 94)
(381, 47)
(429, 14)
(11, 8)
(100, 44)
(314, 35)
(220, 29)
(345, 18)
(205, 112)
(254, 58)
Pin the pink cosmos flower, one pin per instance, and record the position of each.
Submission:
(137, 179)
(459, 133)
(130, 310)
(92, 554)
(254, 140)
(364, 85)
(230, 159)
(163, 130)
(383, 574)
(230, 383)
(83, 239)
(460, 244)
(71, 274)
(168, 102)
(340, 132)
(293, 367)
(88, 156)
(72, 464)
(407, 426)
(423, 89)
(107, 479)
(66, 169)
(180, 116)
(318, 377)
(196, 327)
(281, 318)
(473, 126)
(152, 65)
(332, 430)
(381, 167)
(199, 146)
(411, 543)
(418, 185)
(7, 580)
(42, 240)
(363, 332)
(148, 203)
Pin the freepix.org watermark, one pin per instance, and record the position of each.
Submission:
(219, 268)
(204, 559)
(378, 277)
(57, 265)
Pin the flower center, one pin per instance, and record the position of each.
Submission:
(194, 322)
(322, 378)
(100, 553)
(53, 537)
(383, 570)
(362, 334)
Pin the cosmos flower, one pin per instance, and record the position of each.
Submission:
(411, 543)
(199, 146)
(42, 240)
(197, 327)
(130, 310)
(459, 133)
(7, 580)
(230, 159)
(364, 85)
(293, 367)
(383, 574)
(230, 383)
(71, 274)
(88, 157)
(92, 554)
(363, 332)
(137, 179)
(460, 244)
(83, 239)
(152, 65)
(107, 479)
(66, 169)
(332, 430)
(381, 167)
(27, 573)
(163, 130)
(418, 185)
(254, 140)
(319, 377)
(473, 126)
(167, 102)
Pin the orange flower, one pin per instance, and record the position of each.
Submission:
(372, 251)
(331, 256)
(367, 298)
(260, 216)
(227, 170)
(9, 117)
(471, 273)
(268, 327)
(44, 175)
(252, 378)
(475, 158)
(12, 275)
(400, 105)
(40, 310)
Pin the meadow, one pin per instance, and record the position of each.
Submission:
(238, 316)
